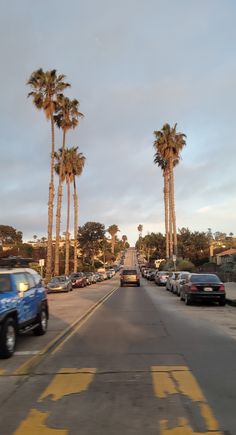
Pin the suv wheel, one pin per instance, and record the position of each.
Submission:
(222, 302)
(43, 322)
(8, 338)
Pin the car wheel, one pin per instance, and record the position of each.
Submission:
(8, 338)
(187, 299)
(42, 327)
(138, 284)
(222, 302)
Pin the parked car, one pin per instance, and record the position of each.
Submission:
(161, 277)
(180, 281)
(89, 277)
(98, 277)
(23, 303)
(78, 279)
(171, 280)
(203, 286)
(59, 284)
(129, 276)
(109, 274)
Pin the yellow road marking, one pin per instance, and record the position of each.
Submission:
(208, 417)
(169, 380)
(73, 332)
(74, 381)
(163, 385)
(182, 429)
(36, 359)
(34, 424)
(188, 386)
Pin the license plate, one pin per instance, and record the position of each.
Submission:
(208, 289)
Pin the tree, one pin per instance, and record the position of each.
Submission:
(46, 87)
(77, 168)
(9, 235)
(91, 237)
(66, 118)
(140, 229)
(169, 144)
(113, 230)
(124, 239)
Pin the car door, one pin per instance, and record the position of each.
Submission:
(24, 296)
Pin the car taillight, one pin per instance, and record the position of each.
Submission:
(193, 288)
(222, 288)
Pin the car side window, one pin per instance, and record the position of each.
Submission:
(30, 280)
(21, 282)
(5, 283)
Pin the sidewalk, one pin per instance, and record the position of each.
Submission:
(230, 288)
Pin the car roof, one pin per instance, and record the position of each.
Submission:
(16, 270)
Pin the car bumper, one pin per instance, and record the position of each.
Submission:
(208, 296)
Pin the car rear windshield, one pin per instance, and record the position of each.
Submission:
(205, 278)
(129, 272)
(5, 283)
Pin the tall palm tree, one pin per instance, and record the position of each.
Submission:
(78, 165)
(140, 230)
(45, 88)
(67, 117)
(162, 163)
(169, 144)
(73, 164)
(113, 230)
(124, 240)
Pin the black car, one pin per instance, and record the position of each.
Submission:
(202, 286)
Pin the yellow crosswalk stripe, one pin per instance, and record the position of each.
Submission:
(68, 381)
(34, 424)
(174, 380)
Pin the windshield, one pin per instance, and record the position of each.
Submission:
(5, 283)
(205, 278)
(129, 272)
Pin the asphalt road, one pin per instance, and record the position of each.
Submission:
(140, 363)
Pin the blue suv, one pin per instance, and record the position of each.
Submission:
(23, 303)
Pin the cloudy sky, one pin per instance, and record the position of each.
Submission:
(134, 65)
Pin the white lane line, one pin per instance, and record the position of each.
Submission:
(27, 352)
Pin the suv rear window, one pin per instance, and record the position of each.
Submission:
(205, 278)
(129, 272)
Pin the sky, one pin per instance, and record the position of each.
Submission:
(133, 65)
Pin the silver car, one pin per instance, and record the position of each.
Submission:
(59, 284)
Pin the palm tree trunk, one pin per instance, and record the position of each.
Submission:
(166, 196)
(75, 227)
(173, 206)
(113, 244)
(58, 213)
(170, 220)
(50, 209)
(67, 259)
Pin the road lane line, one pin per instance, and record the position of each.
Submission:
(34, 424)
(73, 382)
(84, 319)
(36, 359)
(171, 380)
(2, 372)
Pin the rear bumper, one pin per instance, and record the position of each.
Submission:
(130, 282)
(208, 295)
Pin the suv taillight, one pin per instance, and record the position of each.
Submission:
(222, 288)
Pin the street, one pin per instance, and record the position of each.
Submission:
(139, 362)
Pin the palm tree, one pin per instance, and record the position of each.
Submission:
(162, 163)
(169, 144)
(65, 118)
(46, 86)
(124, 240)
(72, 167)
(140, 230)
(113, 230)
(78, 165)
